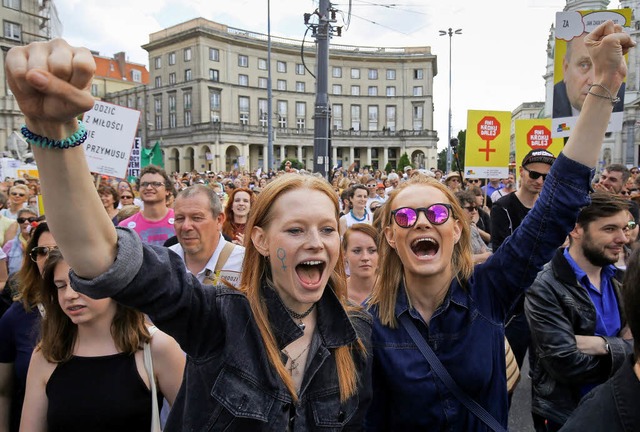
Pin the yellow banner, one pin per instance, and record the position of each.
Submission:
(535, 134)
(488, 140)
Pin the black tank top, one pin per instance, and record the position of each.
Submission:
(98, 394)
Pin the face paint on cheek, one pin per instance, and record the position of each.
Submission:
(281, 256)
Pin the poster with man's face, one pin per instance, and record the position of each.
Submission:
(573, 70)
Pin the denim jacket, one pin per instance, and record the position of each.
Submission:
(229, 383)
(467, 330)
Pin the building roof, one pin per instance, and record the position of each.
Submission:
(118, 68)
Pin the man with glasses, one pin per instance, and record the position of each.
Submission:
(154, 223)
(575, 314)
(506, 215)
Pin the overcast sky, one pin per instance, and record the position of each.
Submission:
(498, 61)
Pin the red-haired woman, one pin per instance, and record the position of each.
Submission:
(237, 213)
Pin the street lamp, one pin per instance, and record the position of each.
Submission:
(450, 32)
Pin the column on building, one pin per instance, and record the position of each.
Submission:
(368, 162)
(282, 153)
(352, 155)
(299, 157)
(334, 155)
(385, 157)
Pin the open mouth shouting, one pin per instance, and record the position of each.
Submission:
(310, 273)
(425, 247)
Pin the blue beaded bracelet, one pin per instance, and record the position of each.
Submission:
(39, 141)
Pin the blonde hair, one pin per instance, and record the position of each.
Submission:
(261, 216)
(385, 290)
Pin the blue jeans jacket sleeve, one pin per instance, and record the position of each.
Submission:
(154, 280)
(514, 266)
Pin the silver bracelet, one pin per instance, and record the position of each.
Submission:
(613, 100)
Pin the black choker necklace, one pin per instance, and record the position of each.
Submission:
(299, 316)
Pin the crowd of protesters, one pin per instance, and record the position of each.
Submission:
(376, 301)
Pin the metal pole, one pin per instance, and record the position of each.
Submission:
(269, 162)
(322, 112)
(449, 150)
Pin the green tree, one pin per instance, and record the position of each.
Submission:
(388, 167)
(403, 162)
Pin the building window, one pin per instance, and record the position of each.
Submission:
(355, 117)
(355, 73)
(391, 74)
(391, 118)
(139, 103)
(417, 90)
(282, 67)
(157, 102)
(243, 107)
(12, 31)
(282, 85)
(172, 78)
(355, 90)
(336, 72)
(372, 91)
(136, 76)
(282, 114)
(418, 111)
(187, 118)
(172, 58)
(172, 102)
(337, 89)
(243, 60)
(130, 102)
(299, 69)
(391, 91)
(263, 112)
(187, 74)
(418, 74)
(187, 54)
(158, 81)
(158, 62)
(214, 75)
(300, 86)
(94, 89)
(187, 100)
(301, 114)
(214, 54)
(172, 120)
(263, 82)
(243, 80)
(214, 105)
(373, 74)
(336, 115)
(11, 4)
(262, 64)
(373, 117)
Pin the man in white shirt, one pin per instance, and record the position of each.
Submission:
(205, 252)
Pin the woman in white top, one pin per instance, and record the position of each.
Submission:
(358, 196)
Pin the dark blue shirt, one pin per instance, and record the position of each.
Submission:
(608, 322)
(467, 330)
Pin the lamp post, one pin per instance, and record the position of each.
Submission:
(450, 32)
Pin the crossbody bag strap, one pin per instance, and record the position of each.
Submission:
(148, 365)
(225, 253)
(441, 372)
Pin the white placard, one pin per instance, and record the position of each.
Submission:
(110, 132)
(134, 160)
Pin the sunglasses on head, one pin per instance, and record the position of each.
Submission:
(437, 214)
(40, 252)
(22, 220)
(535, 175)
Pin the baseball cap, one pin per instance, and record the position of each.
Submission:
(380, 186)
(407, 168)
(538, 156)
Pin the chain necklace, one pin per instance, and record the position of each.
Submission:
(294, 361)
(300, 317)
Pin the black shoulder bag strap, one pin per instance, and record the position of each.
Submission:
(441, 372)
